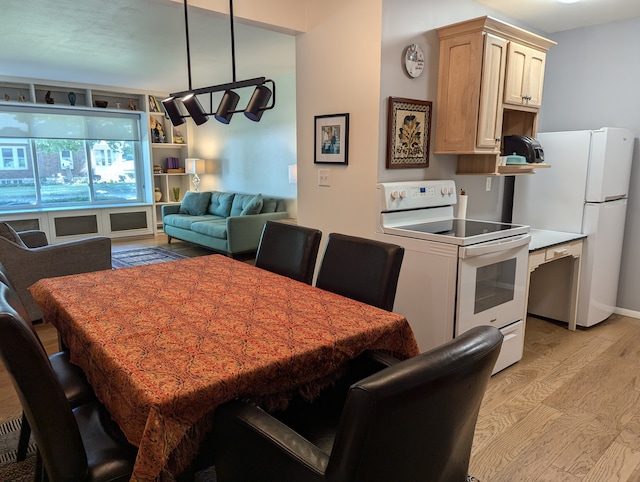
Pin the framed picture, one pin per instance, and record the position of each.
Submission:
(331, 139)
(409, 124)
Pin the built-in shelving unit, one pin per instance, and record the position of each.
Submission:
(171, 143)
(167, 141)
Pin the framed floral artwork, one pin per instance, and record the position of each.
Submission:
(331, 139)
(409, 124)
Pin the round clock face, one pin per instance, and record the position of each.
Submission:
(414, 60)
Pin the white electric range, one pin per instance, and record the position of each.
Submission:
(456, 273)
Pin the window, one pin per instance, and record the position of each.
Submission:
(66, 160)
(14, 157)
(53, 158)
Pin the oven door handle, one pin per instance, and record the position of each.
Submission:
(494, 246)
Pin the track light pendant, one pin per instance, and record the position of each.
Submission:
(227, 106)
(258, 103)
(195, 109)
(173, 111)
(256, 106)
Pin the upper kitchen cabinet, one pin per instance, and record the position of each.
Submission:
(525, 76)
(489, 86)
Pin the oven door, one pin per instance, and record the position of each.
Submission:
(492, 280)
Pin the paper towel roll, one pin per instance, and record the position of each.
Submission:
(462, 206)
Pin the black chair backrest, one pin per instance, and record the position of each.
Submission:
(42, 398)
(289, 250)
(415, 420)
(361, 269)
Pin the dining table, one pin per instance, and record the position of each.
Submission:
(164, 344)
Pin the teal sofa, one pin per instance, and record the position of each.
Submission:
(222, 221)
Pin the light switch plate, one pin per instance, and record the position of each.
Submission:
(324, 177)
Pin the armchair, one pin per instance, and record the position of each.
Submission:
(27, 257)
(413, 420)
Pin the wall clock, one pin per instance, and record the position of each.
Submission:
(414, 60)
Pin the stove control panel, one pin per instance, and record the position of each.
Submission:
(397, 196)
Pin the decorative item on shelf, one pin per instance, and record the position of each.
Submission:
(256, 106)
(194, 166)
(157, 169)
(132, 106)
(21, 97)
(6, 97)
(48, 98)
(178, 137)
(157, 132)
(101, 103)
(157, 193)
(153, 104)
(173, 166)
(176, 194)
(118, 105)
(72, 98)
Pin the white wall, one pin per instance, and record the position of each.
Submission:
(416, 21)
(338, 71)
(252, 157)
(592, 79)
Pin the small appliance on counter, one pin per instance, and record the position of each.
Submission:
(525, 146)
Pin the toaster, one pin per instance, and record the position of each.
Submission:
(525, 146)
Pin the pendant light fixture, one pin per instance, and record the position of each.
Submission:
(257, 104)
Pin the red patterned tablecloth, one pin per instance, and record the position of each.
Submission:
(164, 344)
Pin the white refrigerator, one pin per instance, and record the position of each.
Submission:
(584, 191)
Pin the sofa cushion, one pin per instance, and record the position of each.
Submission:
(220, 204)
(215, 229)
(254, 206)
(195, 203)
(242, 201)
(185, 221)
(6, 231)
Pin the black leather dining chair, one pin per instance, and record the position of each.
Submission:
(361, 269)
(75, 386)
(82, 444)
(289, 250)
(414, 420)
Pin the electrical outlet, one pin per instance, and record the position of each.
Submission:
(324, 177)
(488, 186)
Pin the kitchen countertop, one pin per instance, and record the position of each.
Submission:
(542, 239)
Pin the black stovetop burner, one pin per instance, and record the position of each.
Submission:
(459, 228)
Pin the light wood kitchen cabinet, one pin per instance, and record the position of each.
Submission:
(486, 67)
(524, 76)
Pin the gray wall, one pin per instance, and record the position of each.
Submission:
(592, 81)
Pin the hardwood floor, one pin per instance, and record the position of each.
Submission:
(568, 411)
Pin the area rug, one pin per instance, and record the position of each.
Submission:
(9, 468)
(24, 471)
(140, 256)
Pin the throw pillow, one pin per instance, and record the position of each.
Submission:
(195, 203)
(269, 205)
(253, 206)
(7, 232)
(221, 203)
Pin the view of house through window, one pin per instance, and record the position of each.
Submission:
(60, 159)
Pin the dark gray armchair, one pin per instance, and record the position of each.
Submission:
(28, 257)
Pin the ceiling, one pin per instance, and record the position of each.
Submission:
(143, 41)
(553, 16)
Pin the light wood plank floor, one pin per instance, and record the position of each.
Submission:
(568, 411)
